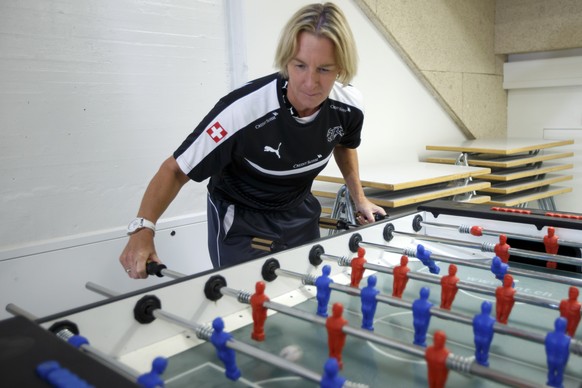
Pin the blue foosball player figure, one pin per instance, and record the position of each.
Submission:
(331, 377)
(557, 352)
(57, 376)
(323, 291)
(369, 303)
(219, 338)
(153, 378)
(424, 256)
(150, 379)
(421, 316)
(483, 333)
(499, 268)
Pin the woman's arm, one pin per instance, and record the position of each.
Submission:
(347, 161)
(160, 192)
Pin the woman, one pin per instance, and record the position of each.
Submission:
(263, 145)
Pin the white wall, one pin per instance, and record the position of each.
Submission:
(94, 94)
(545, 101)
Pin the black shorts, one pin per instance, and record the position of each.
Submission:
(231, 229)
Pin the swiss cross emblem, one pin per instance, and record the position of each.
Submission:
(216, 132)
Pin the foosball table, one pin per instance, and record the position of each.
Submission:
(468, 294)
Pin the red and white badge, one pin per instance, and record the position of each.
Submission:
(216, 132)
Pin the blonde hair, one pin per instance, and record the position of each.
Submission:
(324, 20)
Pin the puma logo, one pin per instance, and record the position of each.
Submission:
(275, 151)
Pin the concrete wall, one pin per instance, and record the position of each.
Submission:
(449, 45)
(525, 26)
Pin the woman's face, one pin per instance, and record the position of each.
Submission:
(312, 73)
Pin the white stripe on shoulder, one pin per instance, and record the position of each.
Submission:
(228, 122)
(347, 95)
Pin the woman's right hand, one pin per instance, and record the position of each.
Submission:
(139, 250)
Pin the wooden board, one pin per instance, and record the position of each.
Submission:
(528, 196)
(401, 198)
(477, 199)
(508, 146)
(496, 161)
(524, 172)
(327, 203)
(525, 184)
(400, 176)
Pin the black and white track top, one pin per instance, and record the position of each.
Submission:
(257, 155)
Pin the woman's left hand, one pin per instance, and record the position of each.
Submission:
(365, 211)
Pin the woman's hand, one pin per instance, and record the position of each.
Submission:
(365, 211)
(139, 250)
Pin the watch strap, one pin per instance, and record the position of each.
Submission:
(148, 224)
(139, 223)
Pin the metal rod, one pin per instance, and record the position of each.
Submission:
(15, 310)
(474, 264)
(205, 333)
(101, 290)
(466, 230)
(172, 274)
(488, 373)
(488, 247)
(65, 334)
(575, 345)
(124, 370)
(462, 364)
(159, 269)
(290, 274)
(462, 285)
(514, 271)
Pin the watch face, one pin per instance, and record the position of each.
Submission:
(134, 225)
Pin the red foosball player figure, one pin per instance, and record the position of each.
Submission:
(358, 269)
(336, 338)
(436, 361)
(570, 309)
(400, 274)
(505, 299)
(552, 246)
(449, 287)
(259, 311)
(502, 248)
